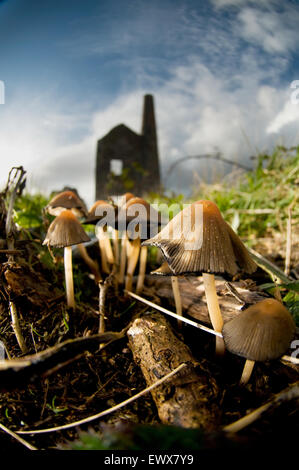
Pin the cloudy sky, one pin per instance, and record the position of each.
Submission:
(220, 71)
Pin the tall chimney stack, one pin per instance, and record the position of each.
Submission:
(149, 133)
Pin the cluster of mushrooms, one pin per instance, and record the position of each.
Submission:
(206, 245)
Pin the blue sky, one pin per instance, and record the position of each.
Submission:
(220, 72)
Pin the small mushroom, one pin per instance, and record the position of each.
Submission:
(199, 241)
(165, 270)
(64, 232)
(70, 200)
(142, 216)
(262, 332)
(66, 200)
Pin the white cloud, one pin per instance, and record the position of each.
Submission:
(217, 96)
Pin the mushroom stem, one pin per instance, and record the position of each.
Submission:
(142, 268)
(105, 249)
(247, 371)
(115, 246)
(123, 258)
(133, 250)
(177, 297)
(214, 309)
(69, 282)
(93, 266)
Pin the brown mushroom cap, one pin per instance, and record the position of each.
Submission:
(126, 197)
(94, 214)
(65, 230)
(194, 245)
(66, 200)
(262, 332)
(150, 223)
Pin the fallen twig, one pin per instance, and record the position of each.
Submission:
(174, 315)
(18, 438)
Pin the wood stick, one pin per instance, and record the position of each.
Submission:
(186, 401)
(18, 438)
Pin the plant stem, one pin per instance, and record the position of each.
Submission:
(69, 281)
(16, 327)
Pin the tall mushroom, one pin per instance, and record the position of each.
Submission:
(199, 241)
(64, 232)
(262, 332)
(123, 254)
(99, 211)
(70, 200)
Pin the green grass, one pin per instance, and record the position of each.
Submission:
(270, 189)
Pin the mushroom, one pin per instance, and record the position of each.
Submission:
(70, 200)
(199, 241)
(165, 270)
(64, 232)
(262, 332)
(141, 216)
(66, 200)
(101, 210)
(123, 255)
